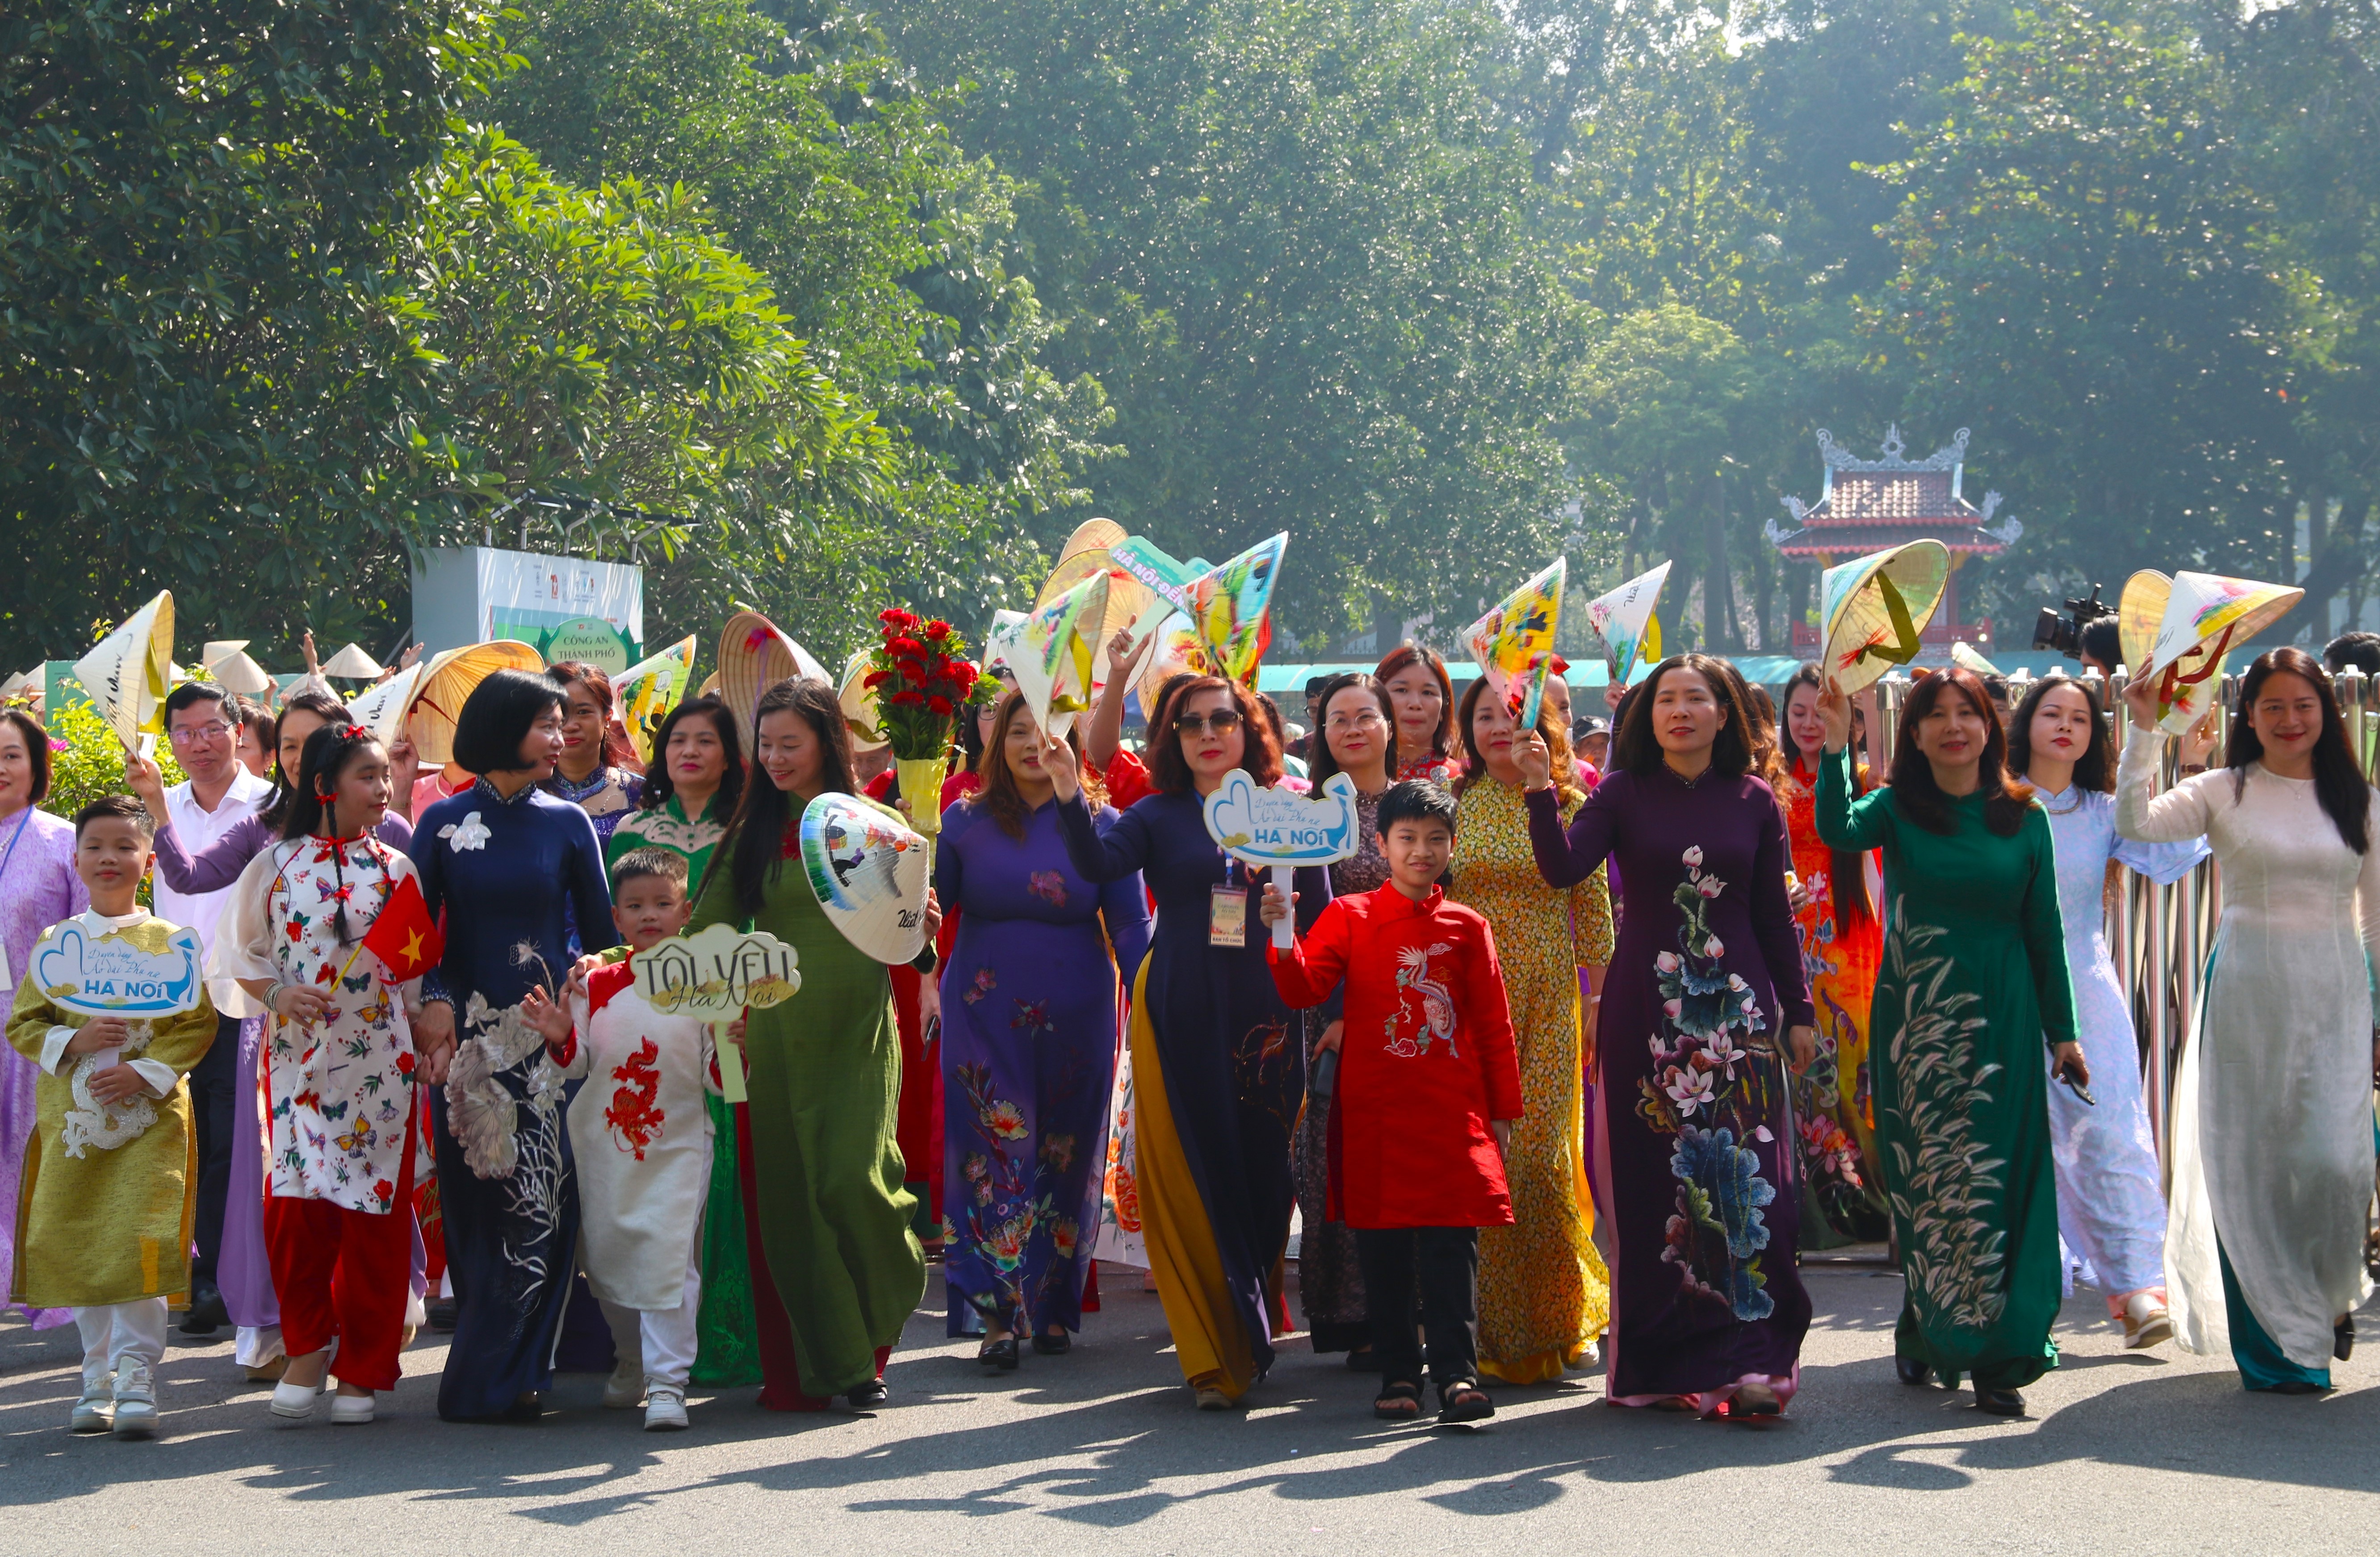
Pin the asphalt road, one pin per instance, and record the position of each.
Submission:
(1100, 1451)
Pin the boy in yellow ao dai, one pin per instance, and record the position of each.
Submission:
(641, 1132)
(105, 1201)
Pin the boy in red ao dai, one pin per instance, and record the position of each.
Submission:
(641, 1136)
(1428, 1086)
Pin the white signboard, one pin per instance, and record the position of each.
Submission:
(471, 594)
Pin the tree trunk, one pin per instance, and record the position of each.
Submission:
(1718, 592)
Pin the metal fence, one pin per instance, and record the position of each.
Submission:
(2161, 936)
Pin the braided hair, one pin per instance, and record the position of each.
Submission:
(312, 806)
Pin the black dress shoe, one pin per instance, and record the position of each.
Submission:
(873, 1394)
(527, 1407)
(1912, 1370)
(2000, 1403)
(1056, 1346)
(207, 1313)
(2294, 1386)
(1000, 1354)
(441, 1315)
(2342, 1338)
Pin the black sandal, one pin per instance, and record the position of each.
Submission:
(1398, 1403)
(1464, 1401)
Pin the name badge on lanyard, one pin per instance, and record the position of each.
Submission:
(1227, 916)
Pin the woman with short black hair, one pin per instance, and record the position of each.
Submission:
(512, 866)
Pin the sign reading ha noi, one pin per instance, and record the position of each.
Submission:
(110, 976)
(716, 974)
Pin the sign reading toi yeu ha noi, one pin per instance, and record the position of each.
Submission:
(716, 974)
(110, 976)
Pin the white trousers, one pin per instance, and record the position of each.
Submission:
(115, 1332)
(661, 1341)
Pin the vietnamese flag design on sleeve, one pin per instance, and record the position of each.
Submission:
(405, 938)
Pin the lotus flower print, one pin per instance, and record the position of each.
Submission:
(467, 834)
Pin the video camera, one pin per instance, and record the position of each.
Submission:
(2064, 634)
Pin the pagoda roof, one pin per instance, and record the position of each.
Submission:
(1870, 505)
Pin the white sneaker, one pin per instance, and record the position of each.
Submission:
(350, 1410)
(294, 1403)
(136, 1400)
(664, 1409)
(95, 1412)
(2147, 1324)
(625, 1390)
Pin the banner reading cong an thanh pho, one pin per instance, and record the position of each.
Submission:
(565, 608)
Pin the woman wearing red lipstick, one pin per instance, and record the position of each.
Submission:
(593, 771)
(2272, 1127)
(1974, 982)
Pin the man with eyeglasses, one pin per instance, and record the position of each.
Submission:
(202, 728)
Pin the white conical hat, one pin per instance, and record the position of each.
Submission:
(352, 664)
(2206, 614)
(381, 708)
(1966, 654)
(754, 655)
(868, 870)
(1514, 642)
(1051, 659)
(1875, 608)
(227, 664)
(649, 688)
(128, 672)
(859, 710)
(447, 682)
(1626, 622)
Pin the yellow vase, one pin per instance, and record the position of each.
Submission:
(921, 785)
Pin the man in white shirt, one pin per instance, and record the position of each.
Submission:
(201, 723)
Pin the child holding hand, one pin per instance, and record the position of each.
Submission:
(641, 1136)
(105, 1201)
(1428, 1086)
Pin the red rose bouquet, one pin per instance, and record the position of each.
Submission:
(923, 681)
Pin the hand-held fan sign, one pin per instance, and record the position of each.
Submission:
(1282, 828)
(128, 672)
(1514, 642)
(112, 975)
(1874, 610)
(2205, 615)
(868, 870)
(1051, 658)
(649, 688)
(1230, 604)
(715, 974)
(1625, 622)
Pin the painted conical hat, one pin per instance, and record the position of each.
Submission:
(352, 664)
(754, 655)
(1626, 622)
(128, 672)
(1051, 658)
(2140, 611)
(1874, 610)
(1000, 642)
(2206, 614)
(1179, 651)
(858, 700)
(1967, 656)
(1514, 642)
(381, 708)
(649, 688)
(227, 664)
(447, 682)
(867, 870)
(1230, 604)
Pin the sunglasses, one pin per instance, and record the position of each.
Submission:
(1222, 721)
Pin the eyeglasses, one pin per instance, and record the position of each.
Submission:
(1223, 721)
(1370, 716)
(192, 734)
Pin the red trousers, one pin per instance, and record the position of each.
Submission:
(781, 1371)
(345, 1274)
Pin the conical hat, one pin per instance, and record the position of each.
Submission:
(710, 687)
(1129, 600)
(2205, 615)
(2140, 611)
(1091, 535)
(127, 671)
(447, 682)
(1875, 608)
(381, 708)
(754, 655)
(1178, 652)
(230, 668)
(1968, 656)
(352, 664)
(1624, 619)
(1000, 642)
(1051, 658)
(649, 688)
(1514, 642)
(1230, 604)
(859, 704)
(869, 872)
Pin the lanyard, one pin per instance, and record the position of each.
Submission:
(22, 822)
